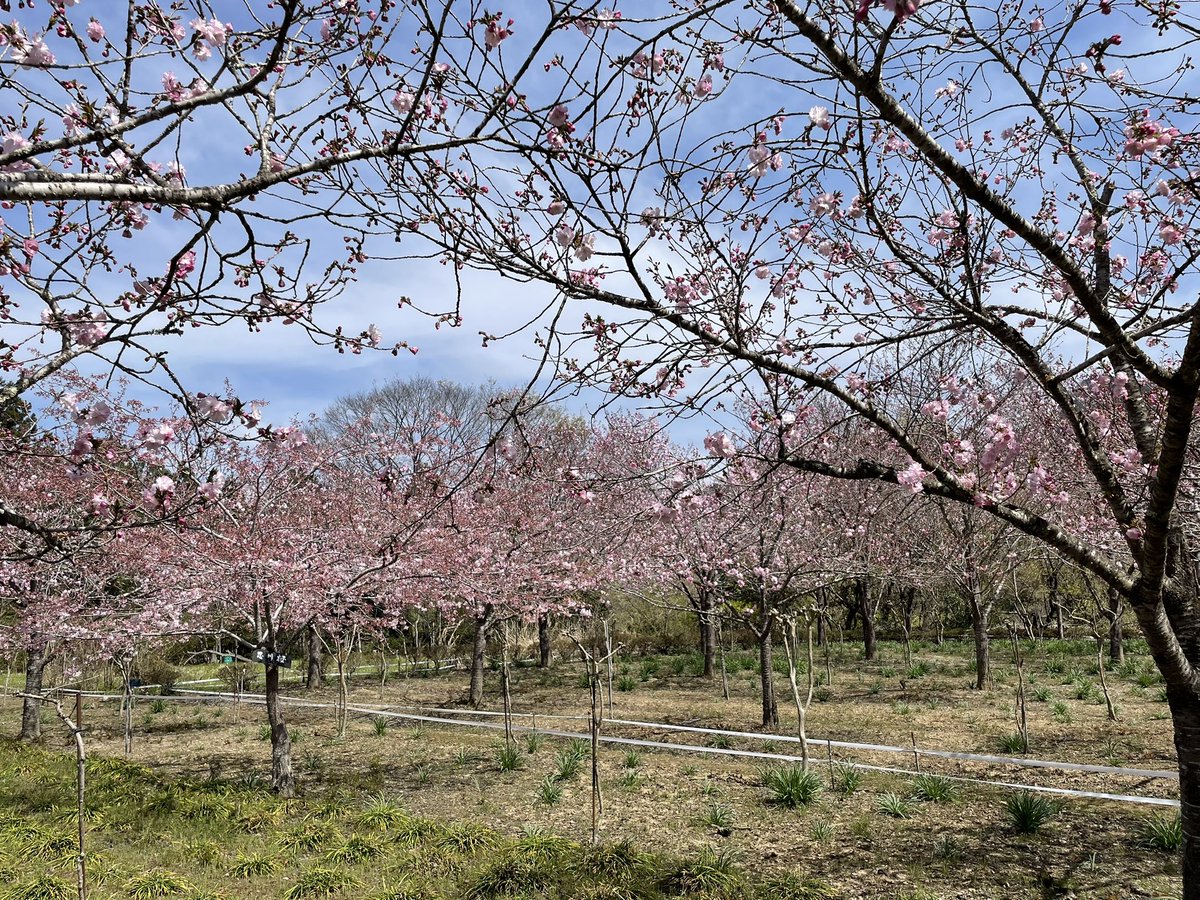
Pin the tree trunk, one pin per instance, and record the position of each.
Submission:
(1116, 634)
(708, 635)
(979, 627)
(31, 709)
(483, 624)
(1185, 714)
(545, 651)
(862, 590)
(770, 711)
(283, 782)
(316, 665)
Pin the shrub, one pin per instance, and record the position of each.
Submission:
(1041, 694)
(1061, 712)
(792, 786)
(1028, 811)
(633, 759)
(626, 683)
(896, 806)
(534, 741)
(380, 725)
(1163, 833)
(237, 677)
(933, 788)
(156, 670)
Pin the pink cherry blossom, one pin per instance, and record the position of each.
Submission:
(95, 31)
(720, 445)
(558, 117)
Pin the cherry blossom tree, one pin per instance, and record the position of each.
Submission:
(167, 169)
(830, 194)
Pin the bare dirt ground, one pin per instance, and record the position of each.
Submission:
(680, 802)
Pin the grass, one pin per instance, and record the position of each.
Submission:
(895, 805)
(198, 825)
(252, 865)
(510, 758)
(41, 887)
(933, 788)
(716, 815)
(1164, 833)
(1029, 812)
(709, 873)
(321, 881)
(846, 778)
(1011, 743)
(568, 762)
(380, 814)
(549, 791)
(792, 786)
(156, 883)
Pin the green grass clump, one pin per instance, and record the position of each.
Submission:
(510, 758)
(895, 805)
(847, 778)
(549, 791)
(309, 834)
(716, 815)
(253, 865)
(1028, 812)
(41, 887)
(380, 814)
(793, 886)
(709, 873)
(468, 837)
(1163, 833)
(792, 786)
(354, 850)
(1011, 743)
(156, 883)
(321, 881)
(568, 762)
(933, 788)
